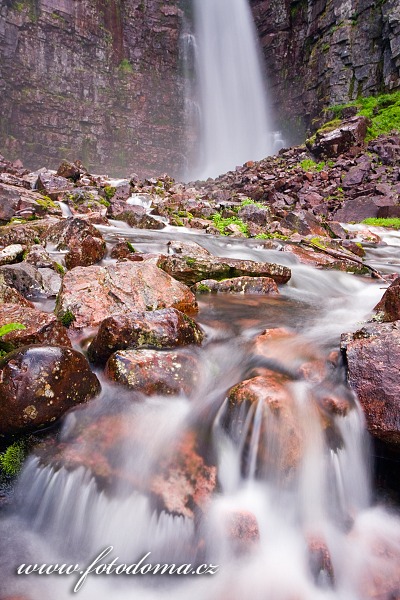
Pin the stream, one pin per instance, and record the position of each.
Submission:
(68, 515)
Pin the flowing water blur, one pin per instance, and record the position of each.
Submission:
(65, 513)
(234, 114)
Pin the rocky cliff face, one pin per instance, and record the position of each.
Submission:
(324, 52)
(93, 79)
(104, 82)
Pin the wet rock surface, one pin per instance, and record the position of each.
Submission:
(38, 384)
(372, 355)
(91, 294)
(191, 270)
(237, 285)
(40, 327)
(84, 243)
(151, 372)
(165, 328)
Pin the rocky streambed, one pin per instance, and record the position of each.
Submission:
(192, 394)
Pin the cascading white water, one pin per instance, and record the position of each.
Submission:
(235, 125)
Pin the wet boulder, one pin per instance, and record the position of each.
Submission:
(40, 327)
(280, 444)
(372, 355)
(333, 142)
(192, 270)
(86, 200)
(83, 241)
(91, 294)
(237, 285)
(123, 250)
(39, 384)
(388, 308)
(165, 328)
(154, 371)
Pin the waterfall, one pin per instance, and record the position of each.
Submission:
(235, 122)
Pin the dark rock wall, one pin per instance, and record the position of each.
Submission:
(102, 80)
(324, 52)
(94, 79)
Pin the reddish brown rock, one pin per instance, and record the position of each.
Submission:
(165, 328)
(238, 285)
(26, 233)
(373, 357)
(9, 295)
(49, 183)
(192, 270)
(38, 384)
(69, 170)
(242, 531)
(388, 308)
(185, 482)
(15, 201)
(40, 327)
(92, 294)
(320, 559)
(122, 250)
(153, 371)
(356, 210)
(84, 243)
(303, 223)
(336, 141)
(280, 444)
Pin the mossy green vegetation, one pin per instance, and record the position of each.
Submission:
(67, 318)
(47, 203)
(12, 458)
(202, 288)
(392, 223)
(310, 165)
(6, 347)
(109, 192)
(383, 112)
(222, 223)
(125, 67)
(131, 247)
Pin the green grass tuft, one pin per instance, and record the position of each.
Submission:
(222, 223)
(392, 223)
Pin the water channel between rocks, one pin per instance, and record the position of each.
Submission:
(298, 486)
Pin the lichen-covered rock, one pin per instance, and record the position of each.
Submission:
(192, 270)
(40, 327)
(135, 216)
(85, 244)
(25, 233)
(49, 183)
(16, 201)
(164, 372)
(165, 328)
(237, 285)
(91, 294)
(38, 384)
(372, 355)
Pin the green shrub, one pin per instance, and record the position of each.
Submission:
(222, 223)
